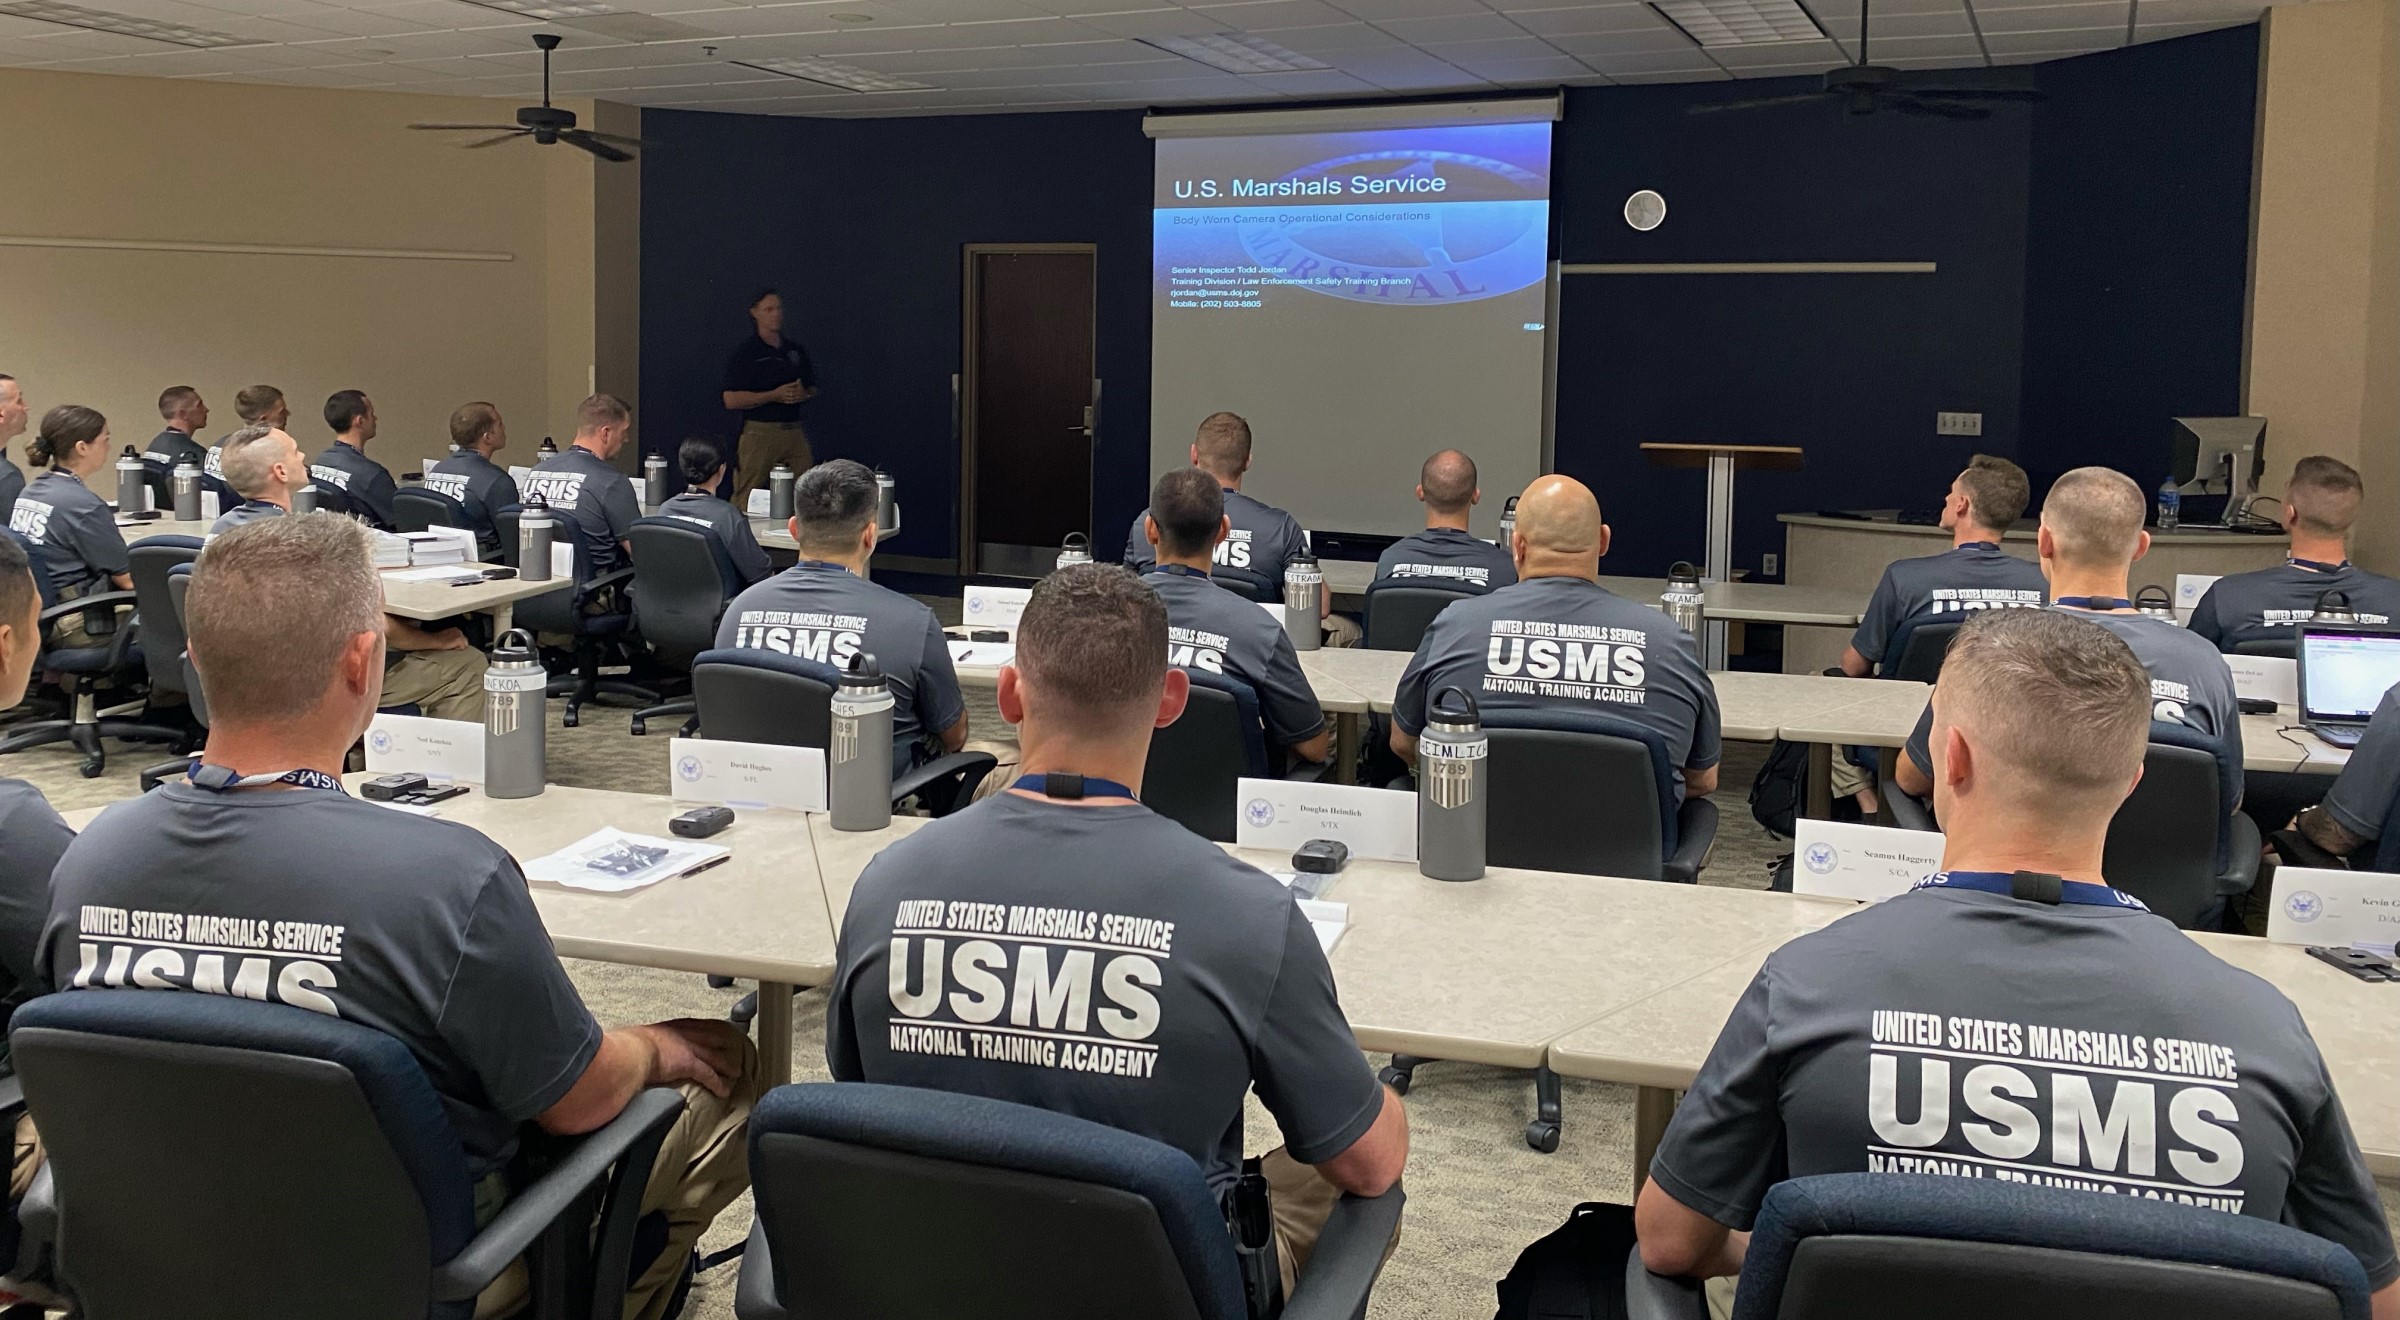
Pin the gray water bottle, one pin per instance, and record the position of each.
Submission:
(1453, 782)
(549, 448)
(780, 482)
(1303, 591)
(187, 491)
(304, 500)
(858, 773)
(1684, 600)
(654, 481)
(515, 726)
(133, 487)
(887, 505)
(1076, 549)
(2155, 601)
(534, 530)
(2334, 607)
(1508, 522)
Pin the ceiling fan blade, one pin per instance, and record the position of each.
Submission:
(467, 128)
(496, 140)
(617, 138)
(584, 139)
(1977, 93)
(1754, 103)
(1909, 105)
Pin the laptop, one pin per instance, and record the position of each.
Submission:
(2344, 673)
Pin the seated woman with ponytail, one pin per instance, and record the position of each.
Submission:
(75, 528)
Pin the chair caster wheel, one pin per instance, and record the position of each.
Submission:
(744, 1009)
(1542, 1135)
(640, 729)
(92, 769)
(720, 982)
(570, 717)
(1395, 1079)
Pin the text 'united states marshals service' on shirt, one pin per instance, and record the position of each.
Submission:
(1445, 557)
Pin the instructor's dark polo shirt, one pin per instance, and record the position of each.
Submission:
(758, 366)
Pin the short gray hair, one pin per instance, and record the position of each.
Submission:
(245, 459)
(2058, 704)
(2095, 517)
(273, 605)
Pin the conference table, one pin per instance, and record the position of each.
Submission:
(1739, 602)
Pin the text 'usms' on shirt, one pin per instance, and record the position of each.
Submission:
(1535, 657)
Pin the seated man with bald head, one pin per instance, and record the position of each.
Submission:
(1444, 554)
(1559, 641)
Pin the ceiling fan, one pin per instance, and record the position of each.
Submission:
(1865, 88)
(544, 123)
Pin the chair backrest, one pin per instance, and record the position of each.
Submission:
(179, 586)
(1245, 583)
(340, 1204)
(682, 581)
(150, 560)
(415, 508)
(2283, 648)
(558, 611)
(1398, 615)
(504, 526)
(2166, 845)
(333, 499)
(42, 585)
(1084, 1222)
(743, 694)
(1871, 1244)
(1917, 646)
(1579, 791)
(1194, 762)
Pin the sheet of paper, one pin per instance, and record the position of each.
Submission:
(2275, 678)
(209, 509)
(433, 573)
(761, 500)
(1328, 920)
(754, 775)
(444, 751)
(2334, 908)
(1835, 859)
(989, 655)
(562, 560)
(410, 808)
(610, 861)
(994, 607)
(1282, 814)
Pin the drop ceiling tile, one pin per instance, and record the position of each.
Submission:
(1375, 11)
(1822, 54)
(1926, 48)
(1271, 15)
(1310, 82)
(2163, 31)
(1710, 74)
(79, 43)
(1585, 20)
(1635, 63)
(1461, 27)
(1518, 47)
(327, 21)
(946, 11)
(674, 75)
(2053, 43)
(1973, 61)
(1540, 69)
(170, 63)
(1651, 41)
(1322, 41)
(2052, 18)
(2224, 13)
(1153, 23)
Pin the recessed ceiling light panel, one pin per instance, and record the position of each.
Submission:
(547, 10)
(124, 25)
(832, 73)
(1236, 52)
(1740, 22)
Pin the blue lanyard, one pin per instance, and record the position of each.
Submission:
(1069, 787)
(1993, 546)
(2093, 603)
(2315, 565)
(219, 779)
(822, 563)
(2033, 886)
(1179, 570)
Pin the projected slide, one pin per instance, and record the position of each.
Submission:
(1364, 298)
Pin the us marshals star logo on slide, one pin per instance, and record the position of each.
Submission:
(1821, 858)
(1259, 812)
(689, 768)
(2303, 906)
(379, 741)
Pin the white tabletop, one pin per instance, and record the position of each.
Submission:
(2275, 742)
(1748, 602)
(437, 599)
(135, 531)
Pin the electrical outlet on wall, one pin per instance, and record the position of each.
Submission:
(1768, 564)
(1957, 423)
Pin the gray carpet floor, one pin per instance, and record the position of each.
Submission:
(1476, 1193)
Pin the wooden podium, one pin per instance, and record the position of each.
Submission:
(1721, 461)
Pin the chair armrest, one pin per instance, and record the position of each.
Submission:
(635, 1133)
(969, 768)
(591, 587)
(1909, 813)
(1306, 772)
(106, 600)
(1661, 1297)
(2241, 864)
(1341, 1271)
(1695, 833)
(754, 1295)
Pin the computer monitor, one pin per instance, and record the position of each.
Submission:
(2231, 451)
(2344, 672)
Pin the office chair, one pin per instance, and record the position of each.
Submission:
(333, 499)
(1914, 652)
(1398, 615)
(2282, 648)
(1083, 1222)
(415, 508)
(1246, 584)
(2178, 844)
(682, 581)
(1219, 738)
(107, 615)
(1622, 819)
(336, 1185)
(504, 526)
(595, 636)
(1873, 1246)
(152, 559)
(747, 695)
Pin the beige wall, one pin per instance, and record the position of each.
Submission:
(2324, 334)
(503, 306)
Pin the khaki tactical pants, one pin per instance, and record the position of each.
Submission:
(1302, 1202)
(446, 685)
(763, 445)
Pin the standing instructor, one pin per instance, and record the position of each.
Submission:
(766, 380)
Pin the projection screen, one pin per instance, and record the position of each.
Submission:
(1366, 286)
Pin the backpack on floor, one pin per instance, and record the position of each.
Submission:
(1781, 787)
(1577, 1272)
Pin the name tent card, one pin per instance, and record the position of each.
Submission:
(1282, 814)
(1869, 863)
(444, 751)
(760, 504)
(2273, 678)
(2334, 908)
(753, 775)
(994, 607)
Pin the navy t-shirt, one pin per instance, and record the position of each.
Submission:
(826, 613)
(589, 494)
(1445, 557)
(1976, 576)
(1210, 628)
(2265, 605)
(365, 484)
(1263, 540)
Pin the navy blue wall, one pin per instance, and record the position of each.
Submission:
(2092, 253)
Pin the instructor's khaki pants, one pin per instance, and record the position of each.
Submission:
(764, 444)
(446, 685)
(702, 1166)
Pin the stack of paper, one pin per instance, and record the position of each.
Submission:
(390, 551)
(611, 861)
(984, 654)
(426, 548)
